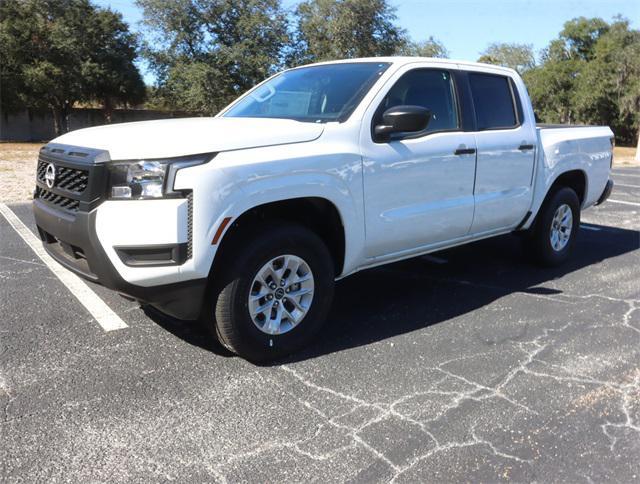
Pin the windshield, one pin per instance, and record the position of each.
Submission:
(315, 94)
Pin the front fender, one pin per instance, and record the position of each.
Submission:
(232, 188)
(297, 186)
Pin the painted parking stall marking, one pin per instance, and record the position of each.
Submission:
(590, 227)
(625, 174)
(103, 314)
(635, 204)
(434, 259)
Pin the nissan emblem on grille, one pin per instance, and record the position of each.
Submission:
(50, 175)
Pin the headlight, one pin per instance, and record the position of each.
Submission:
(148, 178)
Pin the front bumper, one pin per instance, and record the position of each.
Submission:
(72, 240)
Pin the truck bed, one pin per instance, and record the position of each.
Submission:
(583, 149)
(556, 126)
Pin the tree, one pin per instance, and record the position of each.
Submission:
(552, 83)
(607, 91)
(590, 74)
(56, 53)
(338, 29)
(427, 48)
(205, 54)
(519, 57)
(581, 34)
(110, 73)
(550, 88)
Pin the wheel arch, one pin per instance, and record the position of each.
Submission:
(319, 214)
(576, 179)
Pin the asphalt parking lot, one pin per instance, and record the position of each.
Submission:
(472, 365)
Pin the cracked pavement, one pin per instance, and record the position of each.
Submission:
(483, 368)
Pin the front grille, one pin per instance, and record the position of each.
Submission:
(79, 181)
(59, 201)
(70, 179)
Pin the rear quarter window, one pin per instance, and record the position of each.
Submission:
(493, 101)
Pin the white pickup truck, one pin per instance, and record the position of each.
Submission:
(246, 219)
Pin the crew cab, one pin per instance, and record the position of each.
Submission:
(245, 220)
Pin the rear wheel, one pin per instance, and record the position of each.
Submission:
(274, 295)
(555, 230)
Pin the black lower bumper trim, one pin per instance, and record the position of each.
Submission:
(72, 241)
(606, 192)
(153, 255)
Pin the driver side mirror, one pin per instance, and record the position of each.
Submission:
(401, 119)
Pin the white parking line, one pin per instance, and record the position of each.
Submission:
(589, 227)
(623, 202)
(628, 186)
(102, 313)
(625, 174)
(433, 258)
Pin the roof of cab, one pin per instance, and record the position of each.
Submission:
(402, 60)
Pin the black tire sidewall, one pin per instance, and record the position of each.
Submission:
(240, 333)
(545, 252)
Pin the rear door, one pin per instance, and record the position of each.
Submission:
(506, 142)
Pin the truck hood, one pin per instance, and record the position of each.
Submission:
(168, 138)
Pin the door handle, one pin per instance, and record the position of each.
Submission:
(464, 151)
(525, 147)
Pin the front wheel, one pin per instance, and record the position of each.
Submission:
(555, 230)
(274, 295)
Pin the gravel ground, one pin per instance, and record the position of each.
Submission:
(17, 170)
(475, 366)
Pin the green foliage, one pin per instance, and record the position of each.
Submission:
(590, 75)
(109, 72)
(519, 57)
(427, 48)
(580, 36)
(155, 100)
(607, 91)
(342, 29)
(55, 53)
(551, 87)
(207, 53)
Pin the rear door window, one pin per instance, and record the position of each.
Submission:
(493, 101)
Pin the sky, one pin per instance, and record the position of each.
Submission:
(467, 27)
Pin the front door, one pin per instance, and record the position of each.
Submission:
(418, 189)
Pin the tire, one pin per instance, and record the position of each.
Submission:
(547, 250)
(227, 312)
